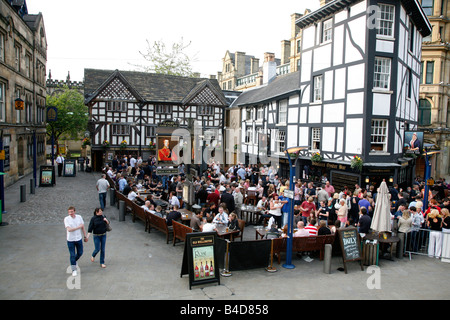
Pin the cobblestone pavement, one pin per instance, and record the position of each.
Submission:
(34, 260)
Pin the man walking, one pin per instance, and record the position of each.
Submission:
(102, 188)
(74, 225)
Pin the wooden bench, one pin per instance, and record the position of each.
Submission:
(180, 230)
(302, 244)
(160, 224)
(140, 213)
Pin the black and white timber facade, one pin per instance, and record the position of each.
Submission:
(128, 105)
(355, 93)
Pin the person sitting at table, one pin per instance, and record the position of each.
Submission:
(209, 226)
(233, 223)
(221, 217)
(323, 228)
(301, 232)
(158, 211)
(148, 207)
(173, 215)
(133, 194)
(173, 199)
(196, 221)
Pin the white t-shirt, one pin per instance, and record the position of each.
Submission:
(132, 195)
(70, 222)
(102, 185)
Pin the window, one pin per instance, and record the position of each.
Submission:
(120, 106)
(17, 51)
(249, 136)
(315, 138)
(2, 47)
(28, 65)
(161, 108)
(427, 6)
(411, 36)
(205, 110)
(382, 73)
(149, 131)
(385, 25)
(421, 73)
(378, 137)
(2, 103)
(408, 83)
(249, 114)
(260, 114)
(317, 95)
(429, 72)
(120, 129)
(282, 111)
(424, 112)
(280, 141)
(327, 30)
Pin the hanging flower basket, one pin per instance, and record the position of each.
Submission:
(316, 157)
(357, 163)
(86, 142)
(105, 144)
(152, 145)
(123, 144)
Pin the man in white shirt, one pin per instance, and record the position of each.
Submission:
(74, 225)
(60, 162)
(102, 188)
(132, 195)
(173, 201)
(221, 217)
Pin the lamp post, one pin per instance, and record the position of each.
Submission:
(289, 151)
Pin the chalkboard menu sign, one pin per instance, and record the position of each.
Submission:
(350, 245)
(199, 258)
(70, 168)
(47, 176)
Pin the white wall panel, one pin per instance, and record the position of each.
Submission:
(353, 136)
(356, 77)
(338, 42)
(328, 138)
(381, 104)
(303, 136)
(315, 112)
(333, 112)
(355, 103)
(339, 83)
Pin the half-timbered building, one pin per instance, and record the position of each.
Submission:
(355, 93)
(128, 106)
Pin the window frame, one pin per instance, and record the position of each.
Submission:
(327, 31)
(316, 138)
(379, 135)
(124, 129)
(384, 24)
(382, 79)
(317, 88)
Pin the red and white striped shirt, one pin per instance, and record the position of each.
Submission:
(312, 230)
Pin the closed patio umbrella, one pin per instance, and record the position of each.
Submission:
(381, 220)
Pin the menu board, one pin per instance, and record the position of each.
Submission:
(47, 176)
(350, 245)
(199, 258)
(69, 168)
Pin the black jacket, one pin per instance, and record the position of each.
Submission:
(97, 225)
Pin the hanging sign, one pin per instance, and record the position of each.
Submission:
(19, 104)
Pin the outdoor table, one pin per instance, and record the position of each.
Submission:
(186, 216)
(250, 213)
(223, 231)
(390, 240)
(261, 232)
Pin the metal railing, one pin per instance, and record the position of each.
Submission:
(426, 242)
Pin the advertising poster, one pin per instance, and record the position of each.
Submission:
(413, 142)
(203, 258)
(47, 176)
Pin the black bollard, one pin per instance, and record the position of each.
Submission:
(23, 190)
(122, 209)
(32, 188)
(112, 197)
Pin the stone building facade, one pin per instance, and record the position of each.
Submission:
(23, 59)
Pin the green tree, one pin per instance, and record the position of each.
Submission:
(72, 114)
(174, 62)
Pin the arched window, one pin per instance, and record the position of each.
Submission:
(424, 112)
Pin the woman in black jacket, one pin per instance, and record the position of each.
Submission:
(97, 226)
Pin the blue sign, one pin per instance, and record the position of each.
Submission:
(52, 114)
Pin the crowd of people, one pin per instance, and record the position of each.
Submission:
(318, 207)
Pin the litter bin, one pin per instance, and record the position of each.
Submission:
(370, 251)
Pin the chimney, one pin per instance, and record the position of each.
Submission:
(254, 65)
(269, 67)
(285, 51)
(324, 2)
(239, 63)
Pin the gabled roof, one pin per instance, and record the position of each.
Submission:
(149, 87)
(412, 7)
(281, 86)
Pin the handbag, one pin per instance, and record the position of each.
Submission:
(108, 225)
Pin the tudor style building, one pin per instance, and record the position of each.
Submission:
(355, 93)
(129, 106)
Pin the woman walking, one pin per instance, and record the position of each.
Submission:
(97, 226)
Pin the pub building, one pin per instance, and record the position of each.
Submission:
(126, 108)
(355, 93)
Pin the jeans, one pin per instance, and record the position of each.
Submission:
(76, 251)
(99, 244)
(102, 199)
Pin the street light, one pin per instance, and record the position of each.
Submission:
(294, 151)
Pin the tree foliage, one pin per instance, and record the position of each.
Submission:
(165, 61)
(72, 114)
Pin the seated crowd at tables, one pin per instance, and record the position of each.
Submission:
(319, 208)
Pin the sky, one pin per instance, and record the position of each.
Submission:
(109, 34)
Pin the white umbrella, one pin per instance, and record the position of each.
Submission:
(381, 220)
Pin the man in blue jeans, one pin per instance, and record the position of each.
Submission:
(102, 188)
(74, 225)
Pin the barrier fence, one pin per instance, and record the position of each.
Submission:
(426, 242)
